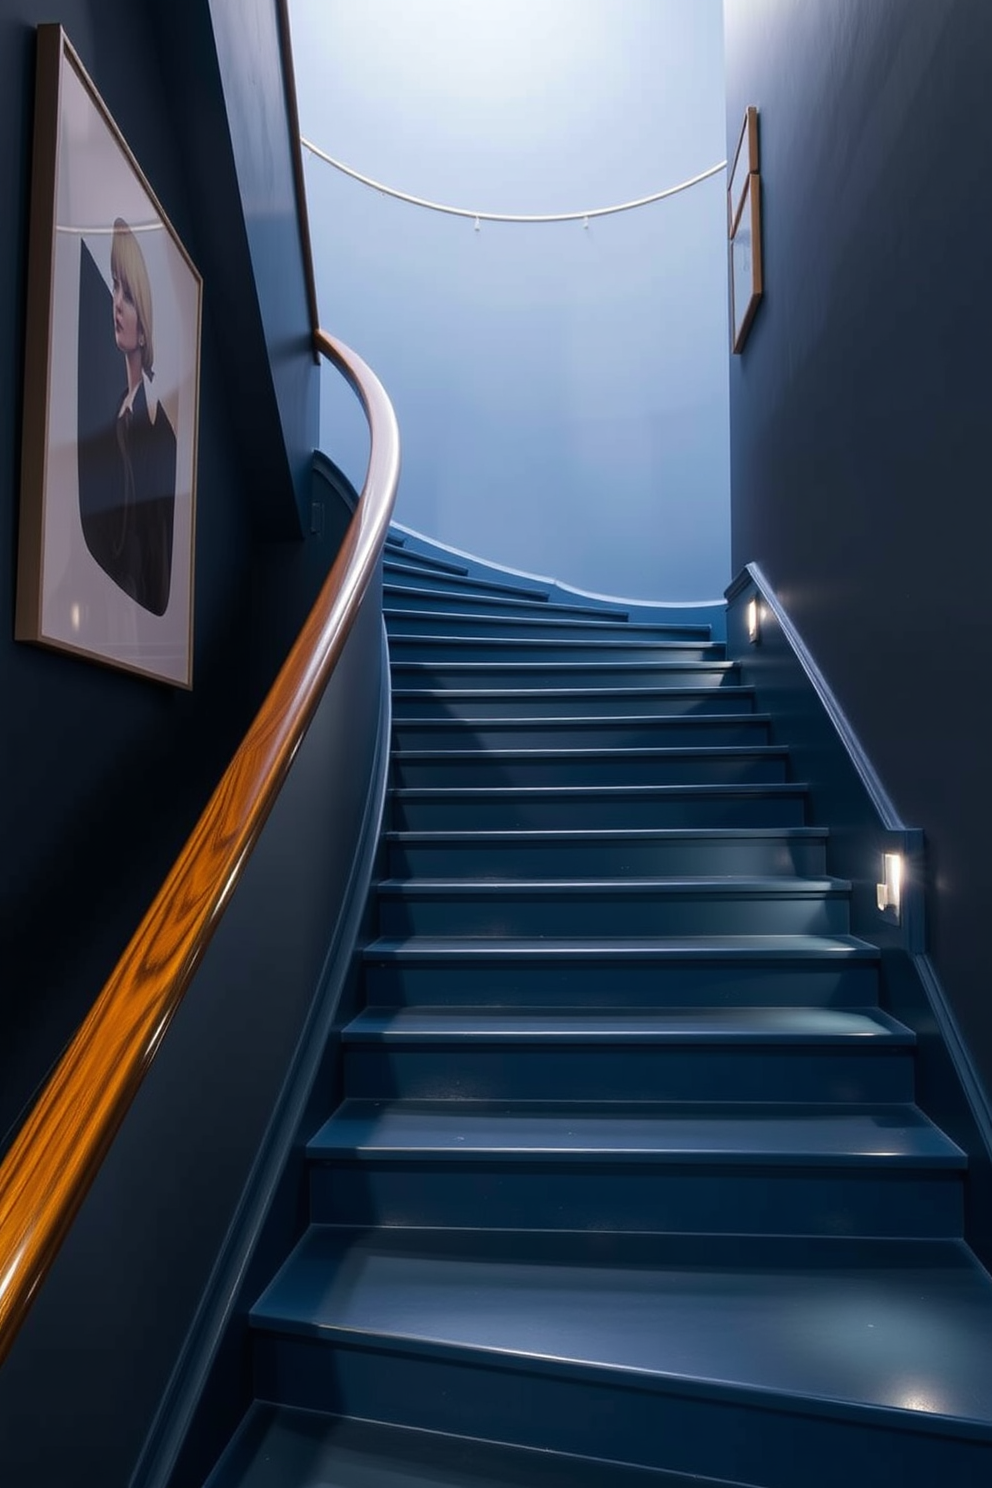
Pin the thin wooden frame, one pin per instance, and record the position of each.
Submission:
(111, 394)
(746, 279)
(745, 164)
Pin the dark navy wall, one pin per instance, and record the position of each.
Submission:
(103, 773)
(248, 48)
(208, 1133)
(860, 453)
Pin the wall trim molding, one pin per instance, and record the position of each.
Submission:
(957, 1048)
(872, 823)
(879, 796)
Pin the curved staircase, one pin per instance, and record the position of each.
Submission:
(628, 1185)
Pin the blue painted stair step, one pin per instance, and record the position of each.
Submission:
(626, 1186)
(506, 649)
(420, 596)
(508, 704)
(691, 906)
(665, 766)
(276, 1447)
(543, 623)
(717, 1168)
(886, 1340)
(398, 558)
(638, 852)
(530, 672)
(629, 1054)
(643, 731)
(591, 807)
(699, 971)
(408, 575)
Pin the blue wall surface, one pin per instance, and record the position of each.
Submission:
(111, 771)
(860, 451)
(562, 392)
(104, 773)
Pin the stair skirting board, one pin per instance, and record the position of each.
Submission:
(227, 1287)
(839, 770)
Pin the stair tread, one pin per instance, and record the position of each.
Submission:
(611, 949)
(531, 643)
(902, 1329)
(510, 693)
(524, 835)
(559, 792)
(421, 563)
(660, 752)
(525, 604)
(776, 1134)
(411, 564)
(598, 622)
(588, 720)
(793, 1026)
(781, 886)
(278, 1446)
(541, 669)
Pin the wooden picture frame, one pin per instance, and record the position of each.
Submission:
(111, 395)
(746, 279)
(745, 164)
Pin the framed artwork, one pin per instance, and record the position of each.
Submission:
(746, 284)
(111, 395)
(745, 163)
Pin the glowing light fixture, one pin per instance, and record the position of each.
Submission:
(753, 622)
(889, 892)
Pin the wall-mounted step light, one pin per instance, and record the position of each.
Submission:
(889, 891)
(753, 622)
(744, 231)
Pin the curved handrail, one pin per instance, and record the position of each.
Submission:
(57, 1154)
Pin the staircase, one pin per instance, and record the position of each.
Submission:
(628, 1186)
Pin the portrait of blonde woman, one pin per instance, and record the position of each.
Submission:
(126, 445)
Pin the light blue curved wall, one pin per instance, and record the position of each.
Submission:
(562, 392)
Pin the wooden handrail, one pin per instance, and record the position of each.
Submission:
(57, 1154)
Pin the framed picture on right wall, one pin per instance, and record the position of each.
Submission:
(746, 285)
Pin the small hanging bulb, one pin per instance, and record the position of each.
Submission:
(478, 225)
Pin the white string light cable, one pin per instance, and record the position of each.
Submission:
(479, 217)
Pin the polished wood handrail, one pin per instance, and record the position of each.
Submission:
(57, 1154)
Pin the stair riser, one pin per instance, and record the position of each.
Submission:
(539, 678)
(588, 984)
(653, 1198)
(418, 597)
(550, 914)
(710, 702)
(494, 771)
(504, 629)
(413, 575)
(513, 812)
(439, 648)
(648, 733)
(589, 858)
(736, 1435)
(398, 553)
(626, 1072)
(424, 598)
